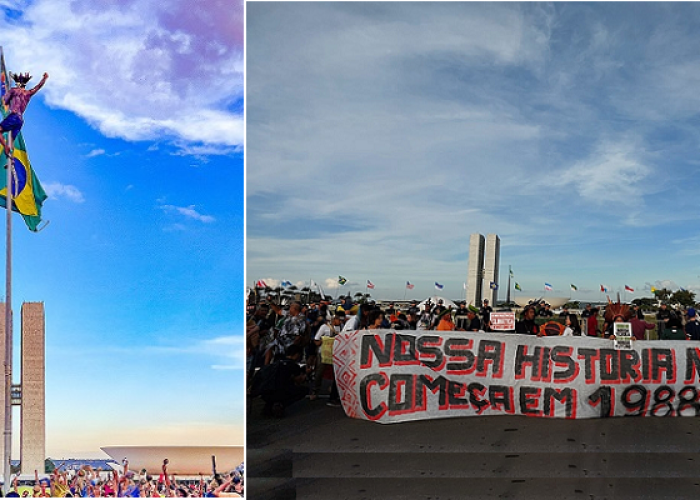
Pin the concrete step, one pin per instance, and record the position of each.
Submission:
(508, 434)
(497, 465)
(520, 489)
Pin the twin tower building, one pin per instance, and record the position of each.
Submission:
(482, 277)
(29, 395)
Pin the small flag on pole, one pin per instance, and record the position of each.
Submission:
(370, 284)
(517, 286)
(653, 289)
(286, 283)
(261, 284)
(511, 273)
(681, 289)
(493, 286)
(409, 286)
(341, 280)
(547, 286)
(629, 288)
(438, 286)
(603, 288)
(573, 287)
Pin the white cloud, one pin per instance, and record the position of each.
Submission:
(189, 212)
(137, 69)
(95, 152)
(613, 171)
(56, 190)
(229, 347)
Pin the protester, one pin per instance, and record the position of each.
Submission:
(90, 482)
(572, 325)
(692, 325)
(527, 325)
(445, 324)
(461, 320)
(639, 327)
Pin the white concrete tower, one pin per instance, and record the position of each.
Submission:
(475, 274)
(33, 420)
(491, 260)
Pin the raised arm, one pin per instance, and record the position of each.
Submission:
(40, 84)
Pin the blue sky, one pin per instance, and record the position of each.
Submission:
(381, 135)
(137, 137)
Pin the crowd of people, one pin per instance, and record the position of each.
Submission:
(288, 354)
(90, 482)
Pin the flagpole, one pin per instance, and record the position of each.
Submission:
(7, 455)
(508, 298)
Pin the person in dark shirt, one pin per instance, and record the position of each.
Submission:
(485, 312)
(587, 312)
(692, 326)
(461, 320)
(527, 325)
(439, 308)
(546, 312)
(288, 383)
(474, 324)
(564, 312)
(413, 309)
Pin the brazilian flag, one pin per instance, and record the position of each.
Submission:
(27, 193)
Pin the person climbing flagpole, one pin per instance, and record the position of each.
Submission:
(25, 195)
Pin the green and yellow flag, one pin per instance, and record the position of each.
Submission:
(27, 193)
(517, 287)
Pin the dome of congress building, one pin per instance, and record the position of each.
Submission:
(552, 301)
(183, 460)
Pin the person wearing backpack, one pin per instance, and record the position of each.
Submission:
(692, 325)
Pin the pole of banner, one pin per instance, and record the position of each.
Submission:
(8, 322)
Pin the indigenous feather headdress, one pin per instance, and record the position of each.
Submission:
(21, 79)
(617, 309)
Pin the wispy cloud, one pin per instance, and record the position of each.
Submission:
(189, 212)
(95, 152)
(56, 190)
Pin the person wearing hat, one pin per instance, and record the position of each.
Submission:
(439, 308)
(445, 324)
(17, 100)
(546, 311)
(692, 325)
(473, 321)
(486, 311)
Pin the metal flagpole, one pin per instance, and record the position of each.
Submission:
(8, 322)
(508, 298)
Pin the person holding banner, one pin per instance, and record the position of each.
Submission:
(527, 325)
(446, 324)
(572, 326)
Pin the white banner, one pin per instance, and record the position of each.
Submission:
(394, 376)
